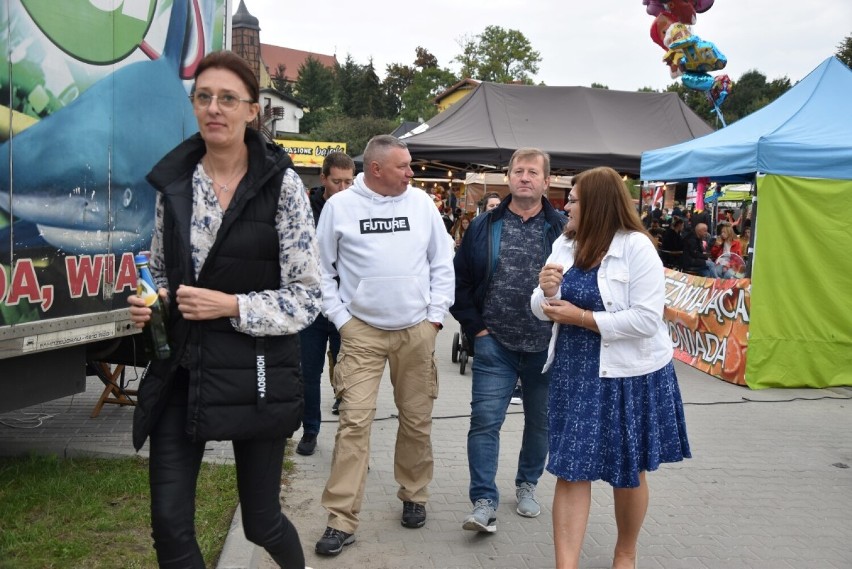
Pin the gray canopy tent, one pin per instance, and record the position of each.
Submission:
(579, 127)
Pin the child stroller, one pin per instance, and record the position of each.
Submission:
(462, 350)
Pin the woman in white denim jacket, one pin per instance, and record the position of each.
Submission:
(632, 286)
(614, 408)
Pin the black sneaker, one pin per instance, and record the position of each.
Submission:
(307, 445)
(413, 515)
(333, 540)
(335, 409)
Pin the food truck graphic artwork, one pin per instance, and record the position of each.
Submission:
(92, 94)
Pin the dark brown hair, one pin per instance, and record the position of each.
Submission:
(488, 196)
(606, 208)
(337, 160)
(235, 64)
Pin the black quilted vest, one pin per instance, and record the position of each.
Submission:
(240, 386)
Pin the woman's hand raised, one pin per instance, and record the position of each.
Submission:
(550, 279)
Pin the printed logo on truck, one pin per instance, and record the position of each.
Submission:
(125, 21)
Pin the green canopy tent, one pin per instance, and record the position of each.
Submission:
(798, 152)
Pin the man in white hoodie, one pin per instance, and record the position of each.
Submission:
(387, 283)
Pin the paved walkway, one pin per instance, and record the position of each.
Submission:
(769, 488)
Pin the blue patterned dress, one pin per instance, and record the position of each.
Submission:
(607, 429)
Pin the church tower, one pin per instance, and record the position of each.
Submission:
(245, 37)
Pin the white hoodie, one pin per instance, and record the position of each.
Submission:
(391, 256)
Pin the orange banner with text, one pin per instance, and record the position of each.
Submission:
(708, 322)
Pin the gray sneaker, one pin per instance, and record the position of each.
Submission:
(528, 506)
(483, 518)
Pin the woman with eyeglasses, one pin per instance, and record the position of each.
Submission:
(614, 406)
(234, 254)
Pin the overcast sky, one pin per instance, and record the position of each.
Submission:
(580, 42)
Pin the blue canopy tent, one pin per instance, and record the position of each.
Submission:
(805, 132)
(798, 151)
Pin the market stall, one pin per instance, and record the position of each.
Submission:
(798, 153)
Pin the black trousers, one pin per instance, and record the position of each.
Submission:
(173, 469)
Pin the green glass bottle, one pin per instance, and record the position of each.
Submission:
(154, 332)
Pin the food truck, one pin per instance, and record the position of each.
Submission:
(92, 94)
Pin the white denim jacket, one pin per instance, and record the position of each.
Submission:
(631, 279)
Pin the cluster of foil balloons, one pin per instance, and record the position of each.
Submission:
(687, 55)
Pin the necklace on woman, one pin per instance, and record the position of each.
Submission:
(223, 187)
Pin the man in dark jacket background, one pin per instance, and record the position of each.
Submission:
(338, 173)
(671, 248)
(496, 267)
(695, 252)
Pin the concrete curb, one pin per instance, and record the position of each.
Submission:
(238, 552)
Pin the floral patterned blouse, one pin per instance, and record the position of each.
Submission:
(268, 312)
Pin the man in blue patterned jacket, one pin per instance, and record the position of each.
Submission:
(496, 268)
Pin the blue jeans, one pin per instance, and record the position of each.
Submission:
(314, 339)
(710, 270)
(496, 369)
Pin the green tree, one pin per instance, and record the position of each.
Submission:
(398, 78)
(418, 100)
(411, 89)
(469, 57)
(314, 119)
(599, 86)
(356, 132)
(279, 80)
(844, 51)
(424, 59)
(751, 93)
(347, 77)
(370, 97)
(315, 84)
(499, 55)
(697, 101)
(776, 88)
(359, 91)
(747, 94)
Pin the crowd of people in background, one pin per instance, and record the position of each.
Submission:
(686, 240)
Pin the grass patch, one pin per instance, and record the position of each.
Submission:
(90, 513)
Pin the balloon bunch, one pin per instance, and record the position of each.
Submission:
(687, 55)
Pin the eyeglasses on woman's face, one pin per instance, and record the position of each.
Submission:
(571, 201)
(226, 102)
